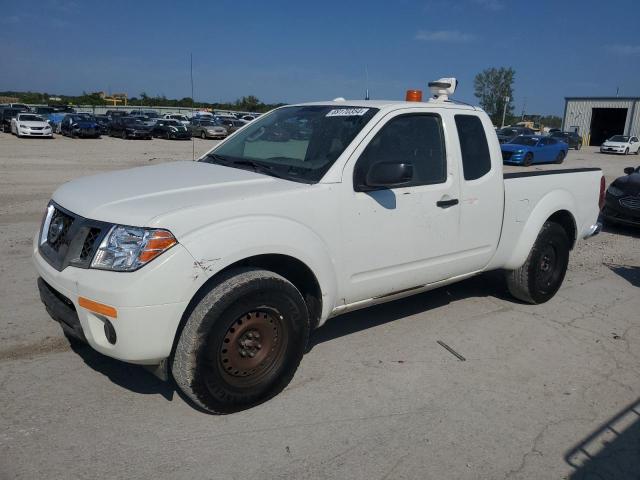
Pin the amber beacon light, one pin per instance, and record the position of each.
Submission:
(414, 96)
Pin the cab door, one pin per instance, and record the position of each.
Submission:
(399, 237)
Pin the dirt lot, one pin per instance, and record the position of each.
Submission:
(376, 396)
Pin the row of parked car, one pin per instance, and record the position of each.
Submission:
(139, 123)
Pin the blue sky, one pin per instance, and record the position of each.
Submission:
(293, 51)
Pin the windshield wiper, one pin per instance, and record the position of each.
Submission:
(256, 166)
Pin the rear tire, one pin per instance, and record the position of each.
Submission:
(242, 342)
(560, 157)
(541, 276)
(123, 135)
(578, 146)
(203, 135)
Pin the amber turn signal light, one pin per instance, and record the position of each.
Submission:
(160, 241)
(96, 307)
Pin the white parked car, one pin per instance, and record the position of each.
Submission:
(621, 144)
(179, 117)
(216, 271)
(30, 125)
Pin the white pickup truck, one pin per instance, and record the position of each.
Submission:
(216, 271)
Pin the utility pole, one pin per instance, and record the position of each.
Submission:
(504, 110)
(524, 107)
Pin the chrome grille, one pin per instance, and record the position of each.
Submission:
(69, 239)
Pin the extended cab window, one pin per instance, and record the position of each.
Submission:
(417, 139)
(476, 159)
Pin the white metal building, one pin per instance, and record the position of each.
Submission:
(598, 118)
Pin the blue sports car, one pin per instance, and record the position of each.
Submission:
(528, 149)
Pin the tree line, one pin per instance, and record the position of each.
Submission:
(249, 103)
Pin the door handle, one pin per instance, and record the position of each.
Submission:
(447, 203)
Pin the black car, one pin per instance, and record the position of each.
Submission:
(570, 138)
(622, 202)
(506, 134)
(75, 125)
(129, 127)
(6, 114)
(104, 124)
(170, 129)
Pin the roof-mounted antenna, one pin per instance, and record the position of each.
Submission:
(366, 83)
(441, 89)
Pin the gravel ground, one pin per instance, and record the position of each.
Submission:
(376, 396)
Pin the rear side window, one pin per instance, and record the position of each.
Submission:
(417, 139)
(476, 160)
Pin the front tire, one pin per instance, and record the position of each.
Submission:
(541, 276)
(203, 135)
(123, 135)
(242, 342)
(626, 151)
(528, 159)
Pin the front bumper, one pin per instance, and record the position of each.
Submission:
(612, 149)
(35, 133)
(149, 303)
(615, 212)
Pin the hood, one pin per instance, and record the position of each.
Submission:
(33, 124)
(138, 196)
(86, 124)
(138, 126)
(512, 147)
(615, 144)
(629, 184)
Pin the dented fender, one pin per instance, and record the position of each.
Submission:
(219, 245)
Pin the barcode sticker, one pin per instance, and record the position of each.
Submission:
(347, 112)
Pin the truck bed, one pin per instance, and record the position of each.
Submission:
(532, 195)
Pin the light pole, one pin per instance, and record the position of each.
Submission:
(504, 110)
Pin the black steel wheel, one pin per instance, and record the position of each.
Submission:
(242, 342)
(542, 274)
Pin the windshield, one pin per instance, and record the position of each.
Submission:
(528, 141)
(295, 143)
(30, 118)
(131, 121)
(172, 123)
(507, 132)
(208, 123)
(619, 138)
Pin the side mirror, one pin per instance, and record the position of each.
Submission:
(629, 170)
(387, 175)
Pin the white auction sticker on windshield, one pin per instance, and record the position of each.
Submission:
(347, 112)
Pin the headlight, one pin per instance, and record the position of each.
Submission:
(125, 249)
(519, 151)
(615, 191)
(173, 129)
(24, 126)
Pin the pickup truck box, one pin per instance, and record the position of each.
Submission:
(216, 271)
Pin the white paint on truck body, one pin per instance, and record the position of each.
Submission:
(362, 247)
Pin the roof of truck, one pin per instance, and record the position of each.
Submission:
(394, 103)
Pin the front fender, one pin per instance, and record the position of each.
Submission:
(219, 245)
(552, 202)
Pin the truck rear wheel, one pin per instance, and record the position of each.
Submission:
(541, 276)
(242, 342)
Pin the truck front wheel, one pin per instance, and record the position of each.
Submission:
(538, 280)
(242, 342)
